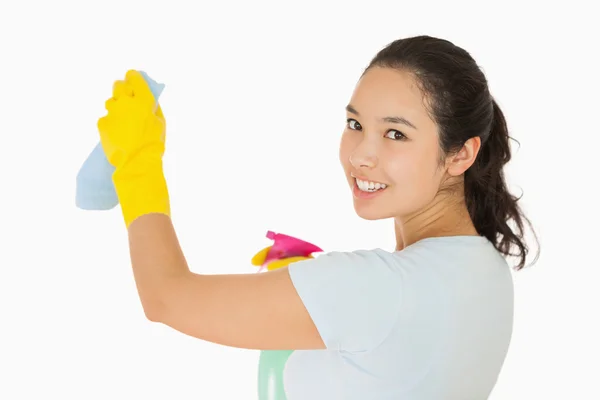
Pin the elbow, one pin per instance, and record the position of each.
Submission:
(155, 301)
(153, 310)
(152, 315)
(159, 304)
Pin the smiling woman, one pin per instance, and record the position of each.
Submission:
(425, 145)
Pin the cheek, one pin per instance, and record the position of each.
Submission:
(404, 170)
(414, 177)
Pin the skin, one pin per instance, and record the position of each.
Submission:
(263, 311)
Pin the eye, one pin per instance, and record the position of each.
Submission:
(353, 124)
(395, 135)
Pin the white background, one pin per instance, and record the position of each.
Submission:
(244, 78)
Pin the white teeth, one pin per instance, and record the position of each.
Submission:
(367, 186)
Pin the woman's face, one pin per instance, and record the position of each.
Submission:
(389, 148)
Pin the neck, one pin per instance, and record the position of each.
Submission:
(445, 216)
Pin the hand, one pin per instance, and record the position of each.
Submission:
(285, 262)
(133, 138)
(259, 260)
(134, 122)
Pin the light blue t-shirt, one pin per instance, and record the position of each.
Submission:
(430, 322)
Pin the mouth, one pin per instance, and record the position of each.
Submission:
(367, 189)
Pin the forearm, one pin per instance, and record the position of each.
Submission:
(157, 260)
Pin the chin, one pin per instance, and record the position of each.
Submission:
(370, 213)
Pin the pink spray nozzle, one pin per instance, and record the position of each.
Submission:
(285, 246)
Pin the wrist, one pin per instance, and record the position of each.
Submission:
(142, 190)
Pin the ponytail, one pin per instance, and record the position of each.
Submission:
(490, 204)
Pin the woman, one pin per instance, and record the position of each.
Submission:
(425, 144)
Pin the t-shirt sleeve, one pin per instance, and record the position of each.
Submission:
(354, 298)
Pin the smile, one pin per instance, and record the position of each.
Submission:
(363, 189)
(368, 186)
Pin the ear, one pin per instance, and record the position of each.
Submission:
(459, 162)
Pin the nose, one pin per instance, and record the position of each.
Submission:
(364, 156)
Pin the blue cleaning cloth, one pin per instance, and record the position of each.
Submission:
(94, 185)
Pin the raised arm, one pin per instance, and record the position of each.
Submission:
(259, 311)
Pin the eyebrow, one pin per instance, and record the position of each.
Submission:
(393, 120)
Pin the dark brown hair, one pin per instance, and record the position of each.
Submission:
(460, 102)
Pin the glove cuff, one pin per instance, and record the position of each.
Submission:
(142, 193)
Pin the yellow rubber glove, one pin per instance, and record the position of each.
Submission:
(259, 259)
(284, 262)
(133, 138)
